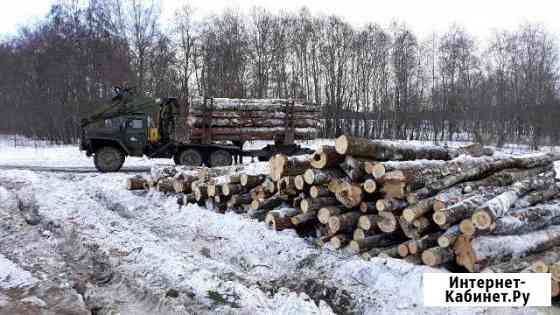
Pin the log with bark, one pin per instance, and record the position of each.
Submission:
(281, 165)
(398, 151)
(280, 219)
(136, 183)
(349, 195)
(344, 222)
(326, 157)
(378, 240)
(497, 207)
(480, 252)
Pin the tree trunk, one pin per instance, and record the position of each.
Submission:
(314, 204)
(136, 183)
(281, 166)
(349, 195)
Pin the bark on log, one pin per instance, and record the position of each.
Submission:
(389, 150)
(344, 222)
(319, 191)
(232, 189)
(459, 211)
(448, 238)
(482, 251)
(136, 183)
(520, 264)
(286, 185)
(525, 220)
(369, 222)
(280, 219)
(498, 206)
(238, 200)
(304, 218)
(538, 196)
(419, 245)
(165, 185)
(247, 134)
(267, 204)
(353, 168)
(504, 178)
(421, 208)
(390, 205)
(360, 234)
(314, 204)
(326, 157)
(484, 167)
(322, 176)
(281, 166)
(379, 240)
(251, 181)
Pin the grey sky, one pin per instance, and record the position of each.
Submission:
(479, 17)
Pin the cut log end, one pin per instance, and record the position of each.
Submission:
(467, 227)
(409, 215)
(436, 256)
(299, 182)
(341, 144)
(539, 267)
(444, 241)
(482, 219)
(334, 224)
(370, 186)
(555, 271)
(403, 250)
(439, 218)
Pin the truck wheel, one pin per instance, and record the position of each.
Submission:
(220, 158)
(189, 157)
(108, 159)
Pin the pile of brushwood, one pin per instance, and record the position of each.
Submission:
(463, 208)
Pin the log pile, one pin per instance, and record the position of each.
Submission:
(461, 208)
(251, 119)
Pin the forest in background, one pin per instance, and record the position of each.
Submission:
(373, 81)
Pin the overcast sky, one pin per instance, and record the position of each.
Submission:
(480, 17)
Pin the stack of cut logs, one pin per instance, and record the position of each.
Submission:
(252, 119)
(461, 208)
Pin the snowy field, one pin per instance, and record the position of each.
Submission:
(95, 247)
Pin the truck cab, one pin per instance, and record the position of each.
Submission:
(109, 141)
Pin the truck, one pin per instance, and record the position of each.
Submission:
(203, 131)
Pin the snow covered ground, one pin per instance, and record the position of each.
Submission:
(97, 247)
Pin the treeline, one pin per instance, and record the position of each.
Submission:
(374, 81)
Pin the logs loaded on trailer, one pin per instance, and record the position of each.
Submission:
(251, 119)
(462, 208)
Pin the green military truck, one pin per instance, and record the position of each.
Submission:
(203, 131)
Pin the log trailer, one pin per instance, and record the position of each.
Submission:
(204, 131)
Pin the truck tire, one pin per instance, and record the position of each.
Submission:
(189, 157)
(108, 159)
(220, 158)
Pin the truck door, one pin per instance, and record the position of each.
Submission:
(135, 135)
